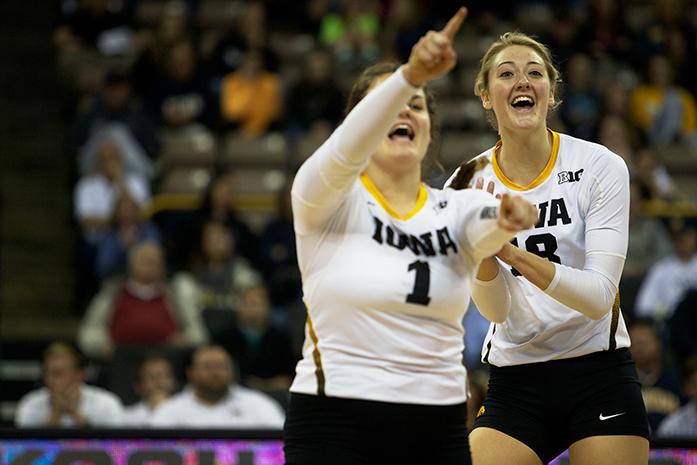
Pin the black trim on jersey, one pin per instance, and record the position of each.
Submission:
(615, 322)
(488, 345)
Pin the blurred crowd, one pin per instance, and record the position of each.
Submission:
(219, 101)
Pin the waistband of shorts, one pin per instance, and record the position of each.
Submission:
(620, 355)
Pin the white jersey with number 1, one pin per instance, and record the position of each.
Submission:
(385, 294)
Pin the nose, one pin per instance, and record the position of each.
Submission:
(523, 82)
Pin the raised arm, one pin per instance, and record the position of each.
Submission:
(324, 179)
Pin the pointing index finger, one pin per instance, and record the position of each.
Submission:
(455, 22)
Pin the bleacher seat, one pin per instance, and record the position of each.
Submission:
(185, 181)
(270, 150)
(193, 146)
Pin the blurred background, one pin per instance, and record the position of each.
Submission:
(148, 147)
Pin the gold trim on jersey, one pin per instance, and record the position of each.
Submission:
(542, 176)
(317, 357)
(372, 188)
(615, 322)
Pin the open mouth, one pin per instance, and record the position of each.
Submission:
(523, 103)
(401, 131)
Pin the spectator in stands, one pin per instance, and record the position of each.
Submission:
(649, 242)
(135, 159)
(143, 310)
(220, 273)
(250, 96)
(116, 105)
(179, 96)
(95, 24)
(214, 400)
(660, 385)
(616, 100)
(664, 111)
(263, 352)
(279, 258)
(614, 132)
(127, 229)
(683, 326)
(668, 279)
(216, 206)
(96, 194)
(248, 32)
(65, 399)
(654, 181)
(155, 383)
(324, 110)
(404, 24)
(604, 34)
(351, 31)
(580, 109)
(668, 18)
(172, 26)
(683, 423)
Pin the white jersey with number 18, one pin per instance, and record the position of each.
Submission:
(583, 188)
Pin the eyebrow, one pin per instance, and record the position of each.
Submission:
(511, 63)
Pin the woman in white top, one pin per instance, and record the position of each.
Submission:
(561, 374)
(387, 265)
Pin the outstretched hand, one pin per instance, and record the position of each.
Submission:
(434, 55)
(516, 213)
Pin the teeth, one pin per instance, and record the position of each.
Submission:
(521, 98)
(403, 126)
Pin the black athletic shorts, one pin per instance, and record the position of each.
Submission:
(550, 405)
(333, 431)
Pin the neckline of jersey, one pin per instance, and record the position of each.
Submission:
(375, 192)
(542, 177)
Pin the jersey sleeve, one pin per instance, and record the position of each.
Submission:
(324, 179)
(479, 232)
(592, 290)
(607, 216)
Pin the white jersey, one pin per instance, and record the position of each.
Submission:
(584, 187)
(385, 294)
(242, 408)
(98, 406)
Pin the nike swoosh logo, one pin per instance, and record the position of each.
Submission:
(603, 418)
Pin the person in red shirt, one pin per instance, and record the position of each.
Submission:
(142, 310)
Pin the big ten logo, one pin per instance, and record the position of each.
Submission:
(135, 457)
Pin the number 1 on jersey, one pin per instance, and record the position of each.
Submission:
(422, 283)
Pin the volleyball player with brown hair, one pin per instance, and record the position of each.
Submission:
(387, 264)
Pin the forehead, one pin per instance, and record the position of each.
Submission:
(208, 356)
(518, 55)
(60, 361)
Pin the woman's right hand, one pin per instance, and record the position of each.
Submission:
(516, 213)
(433, 55)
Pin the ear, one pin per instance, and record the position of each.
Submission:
(486, 102)
(552, 98)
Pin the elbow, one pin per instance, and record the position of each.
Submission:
(496, 317)
(596, 314)
(597, 310)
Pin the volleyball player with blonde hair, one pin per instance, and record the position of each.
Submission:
(561, 373)
(387, 265)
